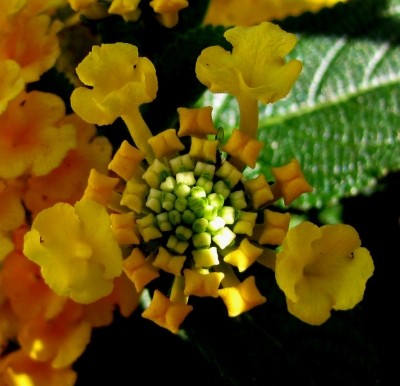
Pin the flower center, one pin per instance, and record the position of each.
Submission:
(195, 205)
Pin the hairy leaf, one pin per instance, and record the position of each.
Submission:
(342, 116)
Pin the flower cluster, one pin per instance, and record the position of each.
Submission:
(192, 214)
(45, 159)
(82, 233)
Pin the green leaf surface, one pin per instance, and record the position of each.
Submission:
(341, 118)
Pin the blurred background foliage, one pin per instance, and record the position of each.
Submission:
(341, 121)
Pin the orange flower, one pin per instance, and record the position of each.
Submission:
(31, 139)
(18, 369)
(31, 41)
(67, 182)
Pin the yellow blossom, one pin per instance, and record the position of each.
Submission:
(275, 227)
(100, 187)
(320, 269)
(166, 313)
(167, 11)
(244, 148)
(254, 71)
(139, 269)
(124, 228)
(290, 182)
(251, 12)
(79, 259)
(121, 82)
(169, 263)
(244, 256)
(259, 191)
(126, 160)
(204, 149)
(128, 9)
(166, 143)
(202, 283)
(196, 122)
(242, 297)
(31, 139)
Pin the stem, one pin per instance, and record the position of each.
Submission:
(248, 108)
(177, 295)
(140, 132)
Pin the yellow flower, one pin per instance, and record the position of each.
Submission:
(254, 71)
(167, 11)
(128, 9)
(320, 269)
(31, 139)
(290, 182)
(121, 82)
(244, 148)
(251, 12)
(81, 257)
(166, 313)
(196, 122)
(242, 297)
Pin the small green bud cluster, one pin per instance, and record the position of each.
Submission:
(197, 206)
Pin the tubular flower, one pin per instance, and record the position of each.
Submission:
(320, 269)
(121, 82)
(251, 12)
(167, 11)
(128, 9)
(254, 71)
(31, 139)
(79, 259)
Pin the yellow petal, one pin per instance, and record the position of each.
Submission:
(322, 268)
(255, 69)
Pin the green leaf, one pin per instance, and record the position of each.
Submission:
(341, 118)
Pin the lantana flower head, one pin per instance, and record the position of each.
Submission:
(189, 215)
